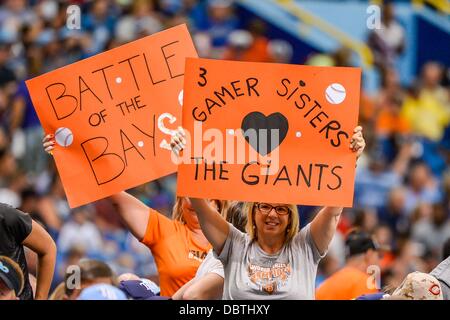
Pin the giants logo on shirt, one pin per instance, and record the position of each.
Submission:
(270, 279)
(197, 255)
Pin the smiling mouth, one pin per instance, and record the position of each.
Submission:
(271, 223)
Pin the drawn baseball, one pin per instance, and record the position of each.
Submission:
(180, 98)
(64, 137)
(335, 93)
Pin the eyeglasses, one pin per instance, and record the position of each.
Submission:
(266, 208)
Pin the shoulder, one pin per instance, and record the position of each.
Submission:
(11, 215)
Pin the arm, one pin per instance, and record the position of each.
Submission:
(180, 292)
(43, 245)
(324, 226)
(325, 223)
(213, 225)
(134, 213)
(209, 287)
(402, 160)
(17, 113)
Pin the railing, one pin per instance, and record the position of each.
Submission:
(313, 21)
(442, 6)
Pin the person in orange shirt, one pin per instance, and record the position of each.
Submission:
(177, 245)
(356, 278)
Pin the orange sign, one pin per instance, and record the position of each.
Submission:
(269, 132)
(112, 114)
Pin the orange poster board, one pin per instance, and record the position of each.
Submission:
(112, 114)
(231, 110)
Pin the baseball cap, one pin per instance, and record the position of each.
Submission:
(419, 286)
(11, 275)
(359, 242)
(102, 292)
(220, 3)
(142, 289)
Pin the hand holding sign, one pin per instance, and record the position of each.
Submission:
(258, 132)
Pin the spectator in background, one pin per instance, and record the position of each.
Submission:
(421, 188)
(11, 279)
(80, 232)
(354, 279)
(366, 220)
(24, 122)
(102, 291)
(239, 44)
(140, 22)
(388, 41)
(389, 121)
(100, 21)
(373, 184)
(14, 185)
(258, 51)
(219, 22)
(431, 79)
(13, 16)
(7, 76)
(17, 230)
(384, 237)
(91, 272)
(432, 231)
(393, 213)
(427, 116)
(280, 51)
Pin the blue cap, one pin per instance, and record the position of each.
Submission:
(139, 289)
(372, 296)
(102, 292)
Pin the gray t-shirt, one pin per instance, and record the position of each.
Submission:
(210, 265)
(442, 273)
(250, 273)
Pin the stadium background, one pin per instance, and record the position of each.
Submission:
(402, 189)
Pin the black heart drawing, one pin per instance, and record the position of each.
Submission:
(258, 121)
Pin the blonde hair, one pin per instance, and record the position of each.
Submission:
(292, 228)
(177, 211)
(18, 271)
(59, 292)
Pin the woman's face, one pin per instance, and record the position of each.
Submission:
(189, 214)
(271, 219)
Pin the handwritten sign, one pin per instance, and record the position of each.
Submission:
(112, 114)
(269, 132)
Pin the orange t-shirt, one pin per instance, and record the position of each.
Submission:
(346, 284)
(176, 254)
(388, 123)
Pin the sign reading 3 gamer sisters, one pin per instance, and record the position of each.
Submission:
(269, 132)
(113, 114)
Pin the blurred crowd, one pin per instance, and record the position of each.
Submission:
(402, 190)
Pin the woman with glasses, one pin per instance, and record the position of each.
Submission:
(274, 260)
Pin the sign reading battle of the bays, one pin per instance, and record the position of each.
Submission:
(113, 114)
(269, 132)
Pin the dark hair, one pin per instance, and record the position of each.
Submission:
(90, 270)
(236, 216)
(358, 242)
(446, 249)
